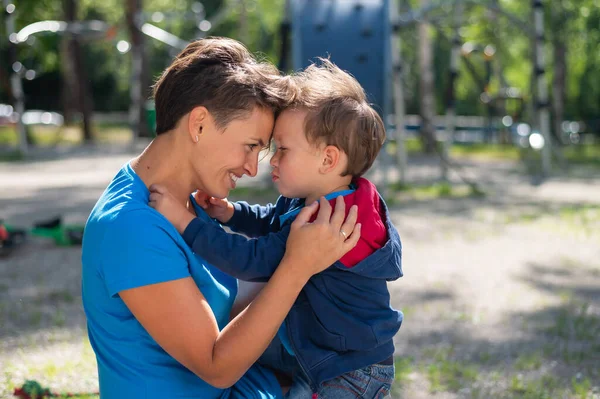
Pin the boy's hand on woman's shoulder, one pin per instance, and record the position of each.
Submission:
(216, 208)
(164, 202)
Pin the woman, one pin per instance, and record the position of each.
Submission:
(158, 316)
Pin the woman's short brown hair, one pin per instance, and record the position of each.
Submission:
(339, 114)
(221, 75)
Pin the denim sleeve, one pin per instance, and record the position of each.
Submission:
(253, 259)
(252, 220)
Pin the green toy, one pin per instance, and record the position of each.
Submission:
(63, 235)
(32, 389)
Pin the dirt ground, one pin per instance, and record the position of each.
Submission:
(501, 293)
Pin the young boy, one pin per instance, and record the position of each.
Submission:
(337, 340)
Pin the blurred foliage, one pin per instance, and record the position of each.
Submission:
(108, 69)
(576, 21)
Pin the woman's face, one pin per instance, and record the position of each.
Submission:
(223, 156)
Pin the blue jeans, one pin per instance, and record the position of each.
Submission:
(371, 382)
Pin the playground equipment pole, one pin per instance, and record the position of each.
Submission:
(15, 79)
(451, 105)
(399, 111)
(542, 89)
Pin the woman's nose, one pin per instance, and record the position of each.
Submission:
(251, 166)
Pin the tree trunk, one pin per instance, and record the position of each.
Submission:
(426, 85)
(450, 93)
(243, 34)
(69, 83)
(16, 88)
(78, 90)
(559, 79)
(139, 81)
(531, 105)
(499, 107)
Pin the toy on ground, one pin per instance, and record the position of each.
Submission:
(10, 238)
(63, 235)
(32, 389)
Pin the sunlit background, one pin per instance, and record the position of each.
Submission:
(491, 170)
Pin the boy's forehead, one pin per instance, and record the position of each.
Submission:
(289, 121)
(277, 133)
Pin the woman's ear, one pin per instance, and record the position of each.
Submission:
(331, 158)
(196, 123)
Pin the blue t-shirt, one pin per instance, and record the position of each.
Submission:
(128, 244)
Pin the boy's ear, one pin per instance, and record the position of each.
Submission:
(331, 159)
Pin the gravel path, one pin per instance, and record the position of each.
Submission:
(489, 283)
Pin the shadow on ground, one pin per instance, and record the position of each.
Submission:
(552, 351)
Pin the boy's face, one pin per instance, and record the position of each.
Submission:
(296, 162)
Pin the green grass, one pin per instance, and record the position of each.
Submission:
(585, 217)
(486, 151)
(11, 156)
(588, 154)
(412, 145)
(575, 322)
(254, 192)
(403, 367)
(68, 134)
(581, 388)
(529, 361)
(446, 373)
(481, 151)
(435, 190)
(547, 387)
(486, 375)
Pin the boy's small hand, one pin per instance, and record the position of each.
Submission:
(164, 202)
(216, 208)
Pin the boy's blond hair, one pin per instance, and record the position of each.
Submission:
(339, 114)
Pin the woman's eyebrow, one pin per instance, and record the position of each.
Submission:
(260, 141)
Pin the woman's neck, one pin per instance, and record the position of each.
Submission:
(162, 163)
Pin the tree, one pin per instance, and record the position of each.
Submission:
(77, 93)
(426, 85)
(139, 77)
(560, 67)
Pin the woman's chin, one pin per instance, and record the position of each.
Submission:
(225, 192)
(222, 194)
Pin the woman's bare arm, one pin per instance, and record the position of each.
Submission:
(178, 317)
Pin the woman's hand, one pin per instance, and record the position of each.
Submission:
(315, 246)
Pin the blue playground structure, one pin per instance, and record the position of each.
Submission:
(363, 37)
(354, 34)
